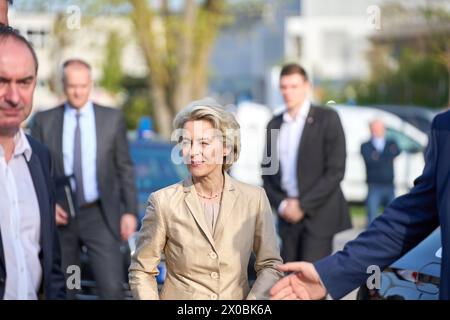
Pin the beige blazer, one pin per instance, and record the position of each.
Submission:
(201, 265)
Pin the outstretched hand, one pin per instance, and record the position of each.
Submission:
(303, 283)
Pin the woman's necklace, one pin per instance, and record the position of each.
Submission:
(209, 197)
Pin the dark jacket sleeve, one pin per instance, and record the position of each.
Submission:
(57, 282)
(335, 155)
(404, 223)
(125, 169)
(365, 152)
(35, 127)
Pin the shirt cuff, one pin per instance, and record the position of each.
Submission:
(282, 206)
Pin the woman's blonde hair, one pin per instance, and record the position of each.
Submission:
(221, 119)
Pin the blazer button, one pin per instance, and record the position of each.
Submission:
(213, 255)
(2, 281)
(214, 296)
(214, 275)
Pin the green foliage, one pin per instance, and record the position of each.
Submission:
(138, 103)
(112, 69)
(418, 80)
(136, 107)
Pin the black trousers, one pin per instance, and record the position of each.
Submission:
(299, 244)
(89, 228)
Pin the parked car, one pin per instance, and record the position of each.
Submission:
(415, 276)
(154, 170)
(407, 166)
(419, 117)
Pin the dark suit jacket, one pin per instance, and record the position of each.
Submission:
(53, 285)
(407, 221)
(380, 165)
(115, 172)
(320, 169)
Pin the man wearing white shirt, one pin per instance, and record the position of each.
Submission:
(311, 153)
(29, 247)
(89, 145)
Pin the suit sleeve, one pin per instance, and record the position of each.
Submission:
(365, 152)
(35, 128)
(335, 155)
(407, 220)
(266, 250)
(58, 283)
(125, 169)
(144, 262)
(395, 149)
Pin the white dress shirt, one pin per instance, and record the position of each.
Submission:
(20, 223)
(88, 147)
(379, 144)
(288, 147)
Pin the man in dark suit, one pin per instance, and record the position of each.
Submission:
(405, 222)
(30, 265)
(307, 142)
(379, 154)
(88, 142)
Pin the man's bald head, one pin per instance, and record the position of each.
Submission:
(377, 128)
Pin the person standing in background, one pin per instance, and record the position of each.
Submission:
(306, 193)
(90, 147)
(379, 154)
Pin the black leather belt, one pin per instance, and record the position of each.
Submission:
(90, 205)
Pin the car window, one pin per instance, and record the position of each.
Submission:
(154, 169)
(404, 142)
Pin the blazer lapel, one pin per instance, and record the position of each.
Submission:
(306, 134)
(99, 137)
(195, 208)
(41, 192)
(227, 204)
(58, 138)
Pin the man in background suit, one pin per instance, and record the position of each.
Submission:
(88, 142)
(310, 149)
(379, 154)
(30, 265)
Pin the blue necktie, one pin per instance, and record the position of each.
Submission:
(77, 167)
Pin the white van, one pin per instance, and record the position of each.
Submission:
(407, 166)
(253, 119)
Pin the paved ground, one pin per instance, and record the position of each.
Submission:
(342, 238)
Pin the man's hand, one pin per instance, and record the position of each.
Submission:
(293, 213)
(61, 216)
(128, 224)
(303, 283)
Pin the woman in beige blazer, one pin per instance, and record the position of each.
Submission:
(209, 224)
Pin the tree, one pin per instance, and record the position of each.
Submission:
(410, 57)
(176, 45)
(176, 42)
(112, 69)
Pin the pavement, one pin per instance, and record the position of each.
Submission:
(340, 239)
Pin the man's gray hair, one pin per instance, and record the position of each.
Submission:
(8, 32)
